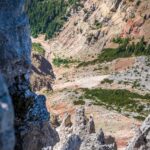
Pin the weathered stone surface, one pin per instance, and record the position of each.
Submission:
(39, 135)
(81, 135)
(73, 143)
(15, 41)
(141, 141)
(32, 128)
(7, 138)
(42, 75)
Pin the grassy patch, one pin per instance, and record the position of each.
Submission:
(37, 47)
(119, 100)
(97, 25)
(120, 40)
(62, 62)
(79, 102)
(86, 63)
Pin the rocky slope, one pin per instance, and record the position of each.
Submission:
(92, 28)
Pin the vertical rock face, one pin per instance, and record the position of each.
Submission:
(32, 127)
(7, 138)
(15, 41)
(142, 139)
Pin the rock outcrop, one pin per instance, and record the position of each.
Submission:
(32, 127)
(141, 141)
(81, 134)
(7, 136)
(42, 76)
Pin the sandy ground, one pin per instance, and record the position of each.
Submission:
(86, 82)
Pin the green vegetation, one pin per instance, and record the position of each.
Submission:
(48, 16)
(107, 81)
(37, 47)
(98, 24)
(62, 62)
(86, 63)
(79, 102)
(136, 84)
(125, 49)
(138, 2)
(120, 40)
(118, 100)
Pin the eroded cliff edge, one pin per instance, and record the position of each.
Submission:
(32, 127)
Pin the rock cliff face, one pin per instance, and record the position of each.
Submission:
(32, 127)
(7, 138)
(42, 75)
(14, 40)
(141, 141)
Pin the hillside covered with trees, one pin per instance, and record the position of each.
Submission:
(48, 16)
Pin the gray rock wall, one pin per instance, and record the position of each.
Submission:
(15, 43)
(7, 138)
(32, 127)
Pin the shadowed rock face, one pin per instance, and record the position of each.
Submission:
(42, 75)
(32, 127)
(7, 138)
(15, 40)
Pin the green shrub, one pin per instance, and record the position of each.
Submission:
(62, 62)
(107, 81)
(120, 40)
(138, 2)
(37, 47)
(135, 84)
(117, 99)
(79, 102)
(97, 24)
